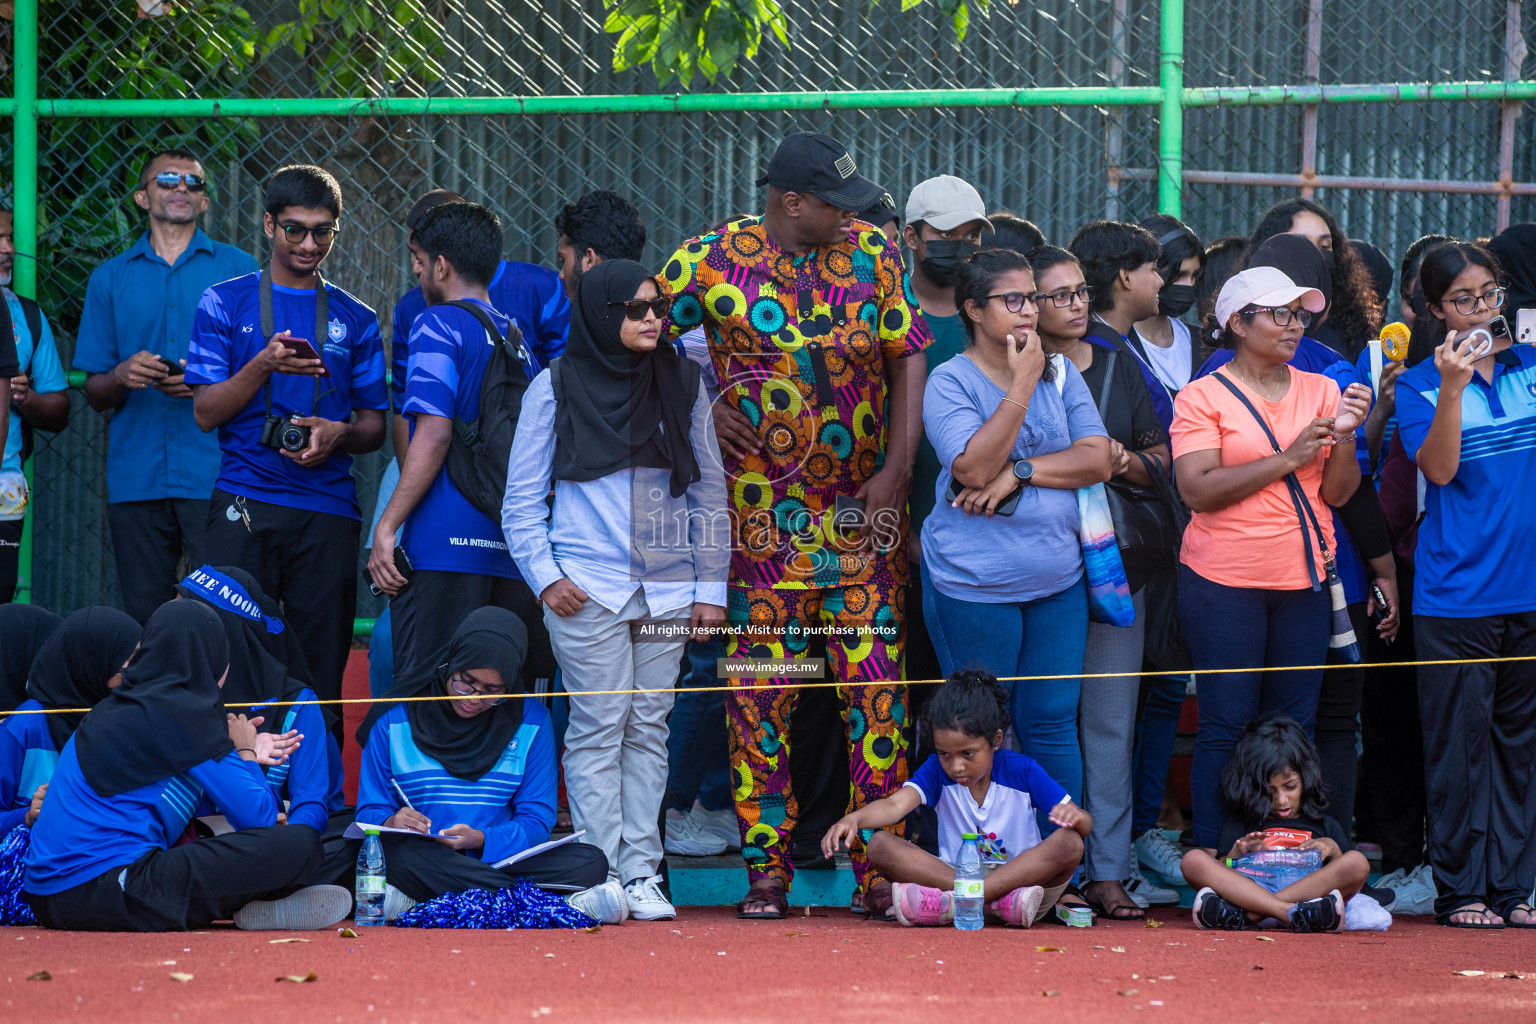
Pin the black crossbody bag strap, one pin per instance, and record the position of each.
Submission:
(1304, 512)
(268, 328)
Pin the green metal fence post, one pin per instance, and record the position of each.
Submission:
(24, 202)
(1170, 127)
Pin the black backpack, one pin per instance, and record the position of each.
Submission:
(34, 314)
(481, 448)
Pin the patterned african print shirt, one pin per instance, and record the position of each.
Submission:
(799, 343)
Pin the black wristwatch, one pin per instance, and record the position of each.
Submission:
(1024, 470)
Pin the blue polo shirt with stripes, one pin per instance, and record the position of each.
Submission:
(1475, 556)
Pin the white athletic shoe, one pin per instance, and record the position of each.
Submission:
(646, 903)
(718, 823)
(310, 909)
(606, 903)
(686, 838)
(1144, 894)
(395, 903)
(1158, 855)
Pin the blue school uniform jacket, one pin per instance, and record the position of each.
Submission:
(81, 835)
(513, 803)
(27, 759)
(310, 780)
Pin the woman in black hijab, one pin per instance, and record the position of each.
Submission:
(79, 665)
(637, 538)
(261, 674)
(1515, 248)
(102, 856)
(476, 773)
(23, 629)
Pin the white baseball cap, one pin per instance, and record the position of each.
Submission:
(1264, 286)
(946, 202)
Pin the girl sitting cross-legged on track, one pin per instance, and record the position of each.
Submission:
(1272, 787)
(975, 786)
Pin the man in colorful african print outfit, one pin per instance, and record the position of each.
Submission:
(818, 351)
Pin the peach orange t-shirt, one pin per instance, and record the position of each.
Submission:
(1256, 542)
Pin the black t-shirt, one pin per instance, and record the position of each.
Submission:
(1291, 832)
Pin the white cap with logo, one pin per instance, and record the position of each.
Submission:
(1264, 286)
(946, 202)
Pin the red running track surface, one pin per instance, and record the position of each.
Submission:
(827, 967)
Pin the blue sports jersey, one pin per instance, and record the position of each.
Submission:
(513, 803)
(226, 334)
(81, 835)
(531, 295)
(38, 358)
(449, 353)
(27, 760)
(1005, 819)
(311, 779)
(1475, 556)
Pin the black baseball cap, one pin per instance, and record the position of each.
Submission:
(822, 166)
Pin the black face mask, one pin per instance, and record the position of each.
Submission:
(942, 258)
(1328, 260)
(1175, 299)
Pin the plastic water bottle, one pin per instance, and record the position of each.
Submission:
(968, 884)
(370, 880)
(1277, 869)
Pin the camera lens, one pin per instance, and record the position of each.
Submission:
(294, 438)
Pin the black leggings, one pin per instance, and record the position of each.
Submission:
(188, 886)
(423, 869)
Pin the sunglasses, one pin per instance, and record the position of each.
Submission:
(635, 309)
(295, 233)
(168, 180)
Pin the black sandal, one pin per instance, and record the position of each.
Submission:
(1472, 905)
(1129, 911)
(774, 896)
(1509, 908)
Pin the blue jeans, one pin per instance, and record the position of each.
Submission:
(1044, 637)
(381, 656)
(1242, 627)
(698, 755)
(1156, 731)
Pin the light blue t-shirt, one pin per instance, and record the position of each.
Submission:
(40, 360)
(1035, 552)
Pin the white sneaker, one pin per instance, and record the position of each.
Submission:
(1144, 894)
(646, 903)
(1158, 855)
(309, 909)
(720, 823)
(606, 903)
(686, 838)
(395, 903)
(1420, 898)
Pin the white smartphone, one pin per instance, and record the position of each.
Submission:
(1525, 326)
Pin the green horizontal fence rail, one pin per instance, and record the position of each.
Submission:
(1170, 98)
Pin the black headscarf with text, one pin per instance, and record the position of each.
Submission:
(72, 669)
(168, 714)
(23, 630)
(614, 407)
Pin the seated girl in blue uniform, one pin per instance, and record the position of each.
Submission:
(77, 667)
(125, 787)
(267, 667)
(477, 775)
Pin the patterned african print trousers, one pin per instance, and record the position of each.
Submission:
(863, 632)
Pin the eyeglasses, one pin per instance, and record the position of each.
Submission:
(1283, 315)
(295, 233)
(1493, 298)
(464, 686)
(1014, 301)
(635, 309)
(168, 180)
(1063, 299)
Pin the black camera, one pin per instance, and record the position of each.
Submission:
(282, 433)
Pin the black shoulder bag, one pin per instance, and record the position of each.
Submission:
(1148, 528)
(1341, 639)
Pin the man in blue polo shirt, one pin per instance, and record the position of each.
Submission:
(284, 507)
(458, 553)
(138, 315)
(529, 294)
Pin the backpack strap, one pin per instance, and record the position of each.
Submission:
(513, 339)
(1304, 511)
(34, 314)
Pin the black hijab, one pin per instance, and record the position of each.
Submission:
(1515, 247)
(169, 714)
(23, 629)
(259, 647)
(72, 669)
(615, 408)
(466, 747)
(1301, 261)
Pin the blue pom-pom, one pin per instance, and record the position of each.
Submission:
(524, 905)
(13, 870)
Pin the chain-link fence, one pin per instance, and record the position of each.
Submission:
(1093, 154)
